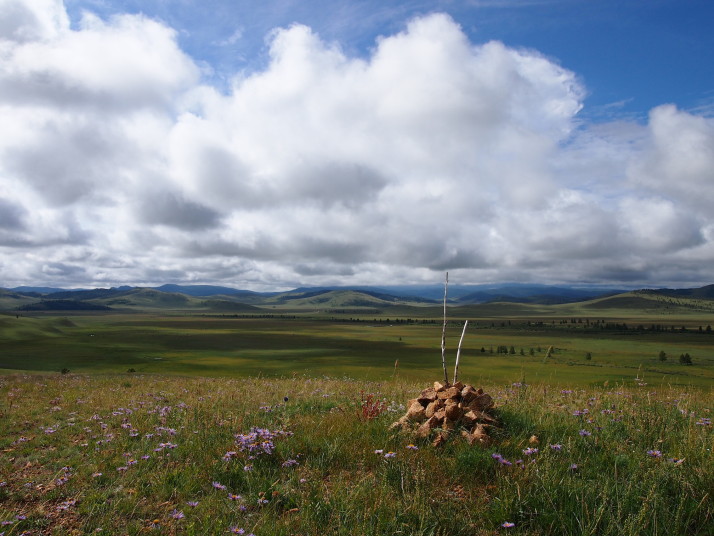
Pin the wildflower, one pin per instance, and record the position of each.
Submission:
(654, 453)
(192, 504)
(248, 468)
(390, 454)
(556, 447)
(676, 461)
(290, 463)
(379, 451)
(234, 497)
(236, 530)
(177, 514)
(263, 500)
(508, 525)
(95, 475)
(500, 459)
(412, 447)
(584, 433)
(530, 451)
(573, 467)
(20, 517)
(218, 485)
(122, 469)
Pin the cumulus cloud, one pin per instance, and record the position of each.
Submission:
(118, 165)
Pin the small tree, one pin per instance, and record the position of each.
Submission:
(662, 356)
(685, 359)
(588, 356)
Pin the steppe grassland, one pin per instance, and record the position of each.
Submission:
(144, 454)
(368, 349)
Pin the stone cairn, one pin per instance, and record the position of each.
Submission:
(441, 410)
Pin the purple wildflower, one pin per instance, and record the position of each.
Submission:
(584, 433)
(530, 451)
(177, 514)
(654, 453)
(500, 459)
(557, 447)
(508, 525)
(218, 485)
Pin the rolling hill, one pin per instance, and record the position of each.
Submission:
(207, 298)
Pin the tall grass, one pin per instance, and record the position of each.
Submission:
(132, 455)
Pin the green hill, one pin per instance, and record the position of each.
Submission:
(332, 299)
(17, 328)
(10, 300)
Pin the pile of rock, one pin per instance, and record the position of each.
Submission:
(443, 409)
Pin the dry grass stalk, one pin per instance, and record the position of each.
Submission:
(443, 333)
(458, 352)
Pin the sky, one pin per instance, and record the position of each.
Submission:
(284, 143)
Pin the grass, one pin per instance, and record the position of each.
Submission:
(132, 454)
(367, 349)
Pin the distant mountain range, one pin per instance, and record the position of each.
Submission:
(226, 299)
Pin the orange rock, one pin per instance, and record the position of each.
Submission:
(468, 393)
(453, 412)
(427, 426)
(431, 409)
(427, 395)
(416, 412)
(450, 392)
(481, 402)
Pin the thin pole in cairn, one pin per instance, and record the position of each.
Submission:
(458, 352)
(443, 333)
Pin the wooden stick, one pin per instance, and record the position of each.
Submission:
(443, 334)
(458, 352)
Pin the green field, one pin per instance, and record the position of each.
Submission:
(162, 455)
(588, 349)
(128, 423)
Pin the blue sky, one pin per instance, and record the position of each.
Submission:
(281, 143)
(632, 56)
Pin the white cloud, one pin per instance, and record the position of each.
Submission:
(679, 160)
(433, 153)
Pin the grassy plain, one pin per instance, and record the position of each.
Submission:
(367, 346)
(624, 440)
(164, 455)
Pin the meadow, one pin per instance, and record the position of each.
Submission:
(278, 424)
(143, 454)
(585, 352)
